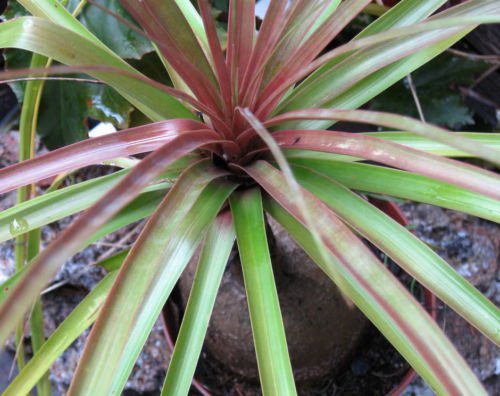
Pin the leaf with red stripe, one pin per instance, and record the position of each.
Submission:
(45, 266)
(392, 154)
(371, 286)
(96, 150)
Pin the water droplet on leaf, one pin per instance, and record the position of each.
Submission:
(18, 226)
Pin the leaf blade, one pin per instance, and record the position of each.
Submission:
(275, 370)
(372, 288)
(149, 274)
(213, 259)
(404, 248)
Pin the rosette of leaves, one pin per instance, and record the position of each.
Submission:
(243, 133)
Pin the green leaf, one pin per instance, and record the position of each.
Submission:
(275, 370)
(108, 106)
(405, 13)
(213, 259)
(145, 281)
(56, 42)
(63, 114)
(371, 286)
(389, 306)
(406, 185)
(61, 203)
(404, 248)
(422, 143)
(75, 323)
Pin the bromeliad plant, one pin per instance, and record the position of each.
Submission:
(243, 133)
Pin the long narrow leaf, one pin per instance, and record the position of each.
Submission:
(69, 242)
(54, 12)
(278, 86)
(406, 185)
(275, 370)
(406, 139)
(430, 146)
(75, 323)
(145, 281)
(182, 51)
(399, 122)
(53, 206)
(218, 60)
(240, 37)
(357, 67)
(310, 49)
(41, 36)
(374, 289)
(405, 249)
(213, 259)
(384, 152)
(405, 13)
(96, 150)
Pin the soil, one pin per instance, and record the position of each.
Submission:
(471, 245)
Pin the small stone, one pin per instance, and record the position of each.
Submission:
(360, 367)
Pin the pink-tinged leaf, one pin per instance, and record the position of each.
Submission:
(344, 75)
(302, 16)
(372, 287)
(414, 256)
(278, 86)
(217, 55)
(45, 266)
(7, 76)
(147, 277)
(240, 35)
(398, 122)
(392, 154)
(46, 38)
(312, 47)
(292, 183)
(179, 50)
(268, 37)
(96, 150)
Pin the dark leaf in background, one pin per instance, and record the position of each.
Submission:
(108, 105)
(437, 85)
(151, 66)
(63, 112)
(122, 40)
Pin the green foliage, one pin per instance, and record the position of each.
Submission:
(66, 105)
(437, 85)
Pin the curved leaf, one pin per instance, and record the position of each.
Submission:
(447, 170)
(96, 150)
(399, 122)
(69, 242)
(422, 143)
(405, 249)
(46, 38)
(372, 288)
(406, 185)
(145, 281)
(75, 323)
